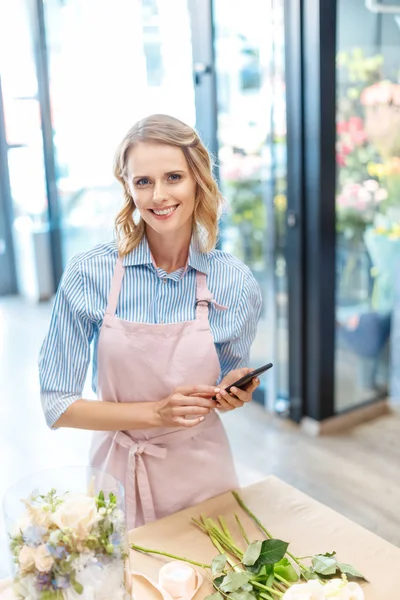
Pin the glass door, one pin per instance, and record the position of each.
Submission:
(368, 202)
(249, 62)
(24, 199)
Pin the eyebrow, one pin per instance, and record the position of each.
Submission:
(168, 173)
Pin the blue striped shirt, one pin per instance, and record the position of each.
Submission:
(148, 295)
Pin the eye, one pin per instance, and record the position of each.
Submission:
(174, 177)
(142, 182)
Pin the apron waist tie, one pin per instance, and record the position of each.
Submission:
(157, 447)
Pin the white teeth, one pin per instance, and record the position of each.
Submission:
(167, 211)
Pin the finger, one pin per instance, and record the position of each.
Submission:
(242, 395)
(242, 372)
(187, 390)
(191, 410)
(232, 400)
(253, 385)
(195, 401)
(181, 421)
(223, 404)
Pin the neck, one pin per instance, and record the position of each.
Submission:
(170, 252)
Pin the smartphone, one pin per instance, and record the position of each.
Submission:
(243, 382)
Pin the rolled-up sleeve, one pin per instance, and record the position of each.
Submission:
(65, 353)
(234, 354)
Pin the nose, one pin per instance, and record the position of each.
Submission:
(159, 193)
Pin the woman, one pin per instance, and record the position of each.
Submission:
(170, 317)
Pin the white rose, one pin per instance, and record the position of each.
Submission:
(312, 590)
(43, 559)
(337, 589)
(77, 513)
(26, 558)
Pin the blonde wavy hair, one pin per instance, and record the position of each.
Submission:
(164, 129)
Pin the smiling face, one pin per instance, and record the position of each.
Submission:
(162, 187)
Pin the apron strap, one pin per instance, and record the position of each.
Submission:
(204, 297)
(115, 287)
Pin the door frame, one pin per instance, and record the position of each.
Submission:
(8, 281)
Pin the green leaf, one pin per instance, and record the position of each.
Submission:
(216, 596)
(309, 575)
(255, 569)
(324, 564)
(242, 596)
(218, 581)
(51, 595)
(252, 553)
(218, 564)
(285, 569)
(78, 587)
(234, 581)
(351, 571)
(270, 580)
(272, 551)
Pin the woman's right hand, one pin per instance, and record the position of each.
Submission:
(186, 406)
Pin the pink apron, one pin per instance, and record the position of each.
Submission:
(166, 469)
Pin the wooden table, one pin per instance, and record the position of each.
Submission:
(290, 515)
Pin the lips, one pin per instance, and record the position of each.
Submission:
(164, 212)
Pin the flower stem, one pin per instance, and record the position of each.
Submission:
(267, 588)
(282, 580)
(242, 530)
(261, 526)
(182, 559)
(225, 529)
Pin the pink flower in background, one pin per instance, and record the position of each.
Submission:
(350, 134)
(340, 159)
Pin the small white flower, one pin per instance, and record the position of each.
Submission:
(54, 537)
(103, 510)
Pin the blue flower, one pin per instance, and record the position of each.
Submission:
(115, 539)
(61, 582)
(58, 552)
(33, 535)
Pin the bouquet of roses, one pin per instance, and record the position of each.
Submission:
(69, 546)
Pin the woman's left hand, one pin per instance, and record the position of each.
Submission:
(236, 398)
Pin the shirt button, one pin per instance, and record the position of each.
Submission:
(164, 281)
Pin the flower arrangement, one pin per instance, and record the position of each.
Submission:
(69, 546)
(266, 569)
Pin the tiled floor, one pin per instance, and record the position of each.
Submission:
(357, 474)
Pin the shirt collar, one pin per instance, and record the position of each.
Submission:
(141, 255)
